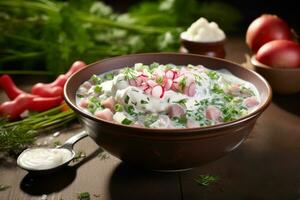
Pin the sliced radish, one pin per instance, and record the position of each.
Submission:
(158, 91)
(152, 83)
(148, 90)
(170, 74)
(168, 84)
(132, 82)
(159, 72)
(144, 77)
(139, 81)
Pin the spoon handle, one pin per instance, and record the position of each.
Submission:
(71, 141)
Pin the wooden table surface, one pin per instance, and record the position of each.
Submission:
(265, 166)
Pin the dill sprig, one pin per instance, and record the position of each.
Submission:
(15, 136)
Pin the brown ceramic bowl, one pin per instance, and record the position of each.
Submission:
(282, 80)
(212, 49)
(167, 149)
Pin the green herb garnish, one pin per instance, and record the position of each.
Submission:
(4, 187)
(126, 121)
(56, 143)
(131, 110)
(182, 83)
(79, 95)
(97, 89)
(159, 80)
(150, 119)
(79, 155)
(217, 89)
(83, 196)
(144, 102)
(212, 74)
(180, 120)
(181, 101)
(96, 80)
(206, 180)
(118, 107)
(126, 100)
(129, 73)
(109, 76)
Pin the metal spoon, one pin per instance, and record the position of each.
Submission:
(68, 145)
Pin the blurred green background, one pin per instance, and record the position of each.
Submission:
(45, 37)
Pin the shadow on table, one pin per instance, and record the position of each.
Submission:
(39, 184)
(290, 103)
(128, 182)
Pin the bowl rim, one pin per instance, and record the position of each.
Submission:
(247, 117)
(256, 63)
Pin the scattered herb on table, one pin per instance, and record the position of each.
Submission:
(103, 155)
(79, 155)
(56, 143)
(83, 196)
(206, 180)
(4, 187)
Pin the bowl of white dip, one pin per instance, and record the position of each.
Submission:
(205, 38)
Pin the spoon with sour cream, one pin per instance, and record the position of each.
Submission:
(49, 159)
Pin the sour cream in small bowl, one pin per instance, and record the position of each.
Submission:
(205, 38)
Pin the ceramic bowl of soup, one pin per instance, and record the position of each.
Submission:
(167, 111)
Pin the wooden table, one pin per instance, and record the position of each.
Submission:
(265, 166)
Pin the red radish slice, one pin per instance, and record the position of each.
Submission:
(152, 83)
(139, 81)
(148, 90)
(158, 91)
(170, 74)
(132, 82)
(159, 72)
(168, 84)
(143, 77)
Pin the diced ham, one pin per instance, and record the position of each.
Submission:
(213, 113)
(87, 85)
(105, 114)
(234, 89)
(84, 103)
(191, 124)
(190, 90)
(108, 103)
(251, 102)
(176, 110)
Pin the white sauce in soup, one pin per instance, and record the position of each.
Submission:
(44, 158)
(167, 96)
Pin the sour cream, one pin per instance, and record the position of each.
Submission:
(203, 31)
(44, 158)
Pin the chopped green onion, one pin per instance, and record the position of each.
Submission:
(144, 102)
(83, 196)
(126, 121)
(118, 107)
(212, 74)
(126, 100)
(96, 80)
(109, 76)
(97, 89)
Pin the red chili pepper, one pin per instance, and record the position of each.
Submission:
(56, 87)
(9, 87)
(40, 104)
(13, 109)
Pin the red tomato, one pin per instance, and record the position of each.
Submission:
(267, 28)
(280, 53)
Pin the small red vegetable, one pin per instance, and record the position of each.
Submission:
(9, 87)
(40, 104)
(56, 87)
(13, 109)
(280, 53)
(267, 28)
